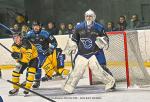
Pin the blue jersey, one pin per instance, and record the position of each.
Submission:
(85, 37)
(42, 39)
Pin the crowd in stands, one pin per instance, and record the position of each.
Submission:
(123, 24)
(62, 28)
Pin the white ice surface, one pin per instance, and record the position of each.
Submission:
(83, 92)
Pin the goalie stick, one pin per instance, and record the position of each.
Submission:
(36, 93)
(71, 56)
(72, 60)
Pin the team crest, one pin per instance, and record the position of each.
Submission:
(87, 43)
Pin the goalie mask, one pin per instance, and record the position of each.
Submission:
(90, 16)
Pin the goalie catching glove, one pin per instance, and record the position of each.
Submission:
(102, 42)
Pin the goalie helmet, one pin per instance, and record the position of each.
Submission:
(90, 13)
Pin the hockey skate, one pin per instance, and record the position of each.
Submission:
(114, 87)
(13, 92)
(110, 86)
(26, 93)
(36, 84)
(57, 76)
(67, 89)
(46, 78)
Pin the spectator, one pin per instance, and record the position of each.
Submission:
(134, 22)
(51, 28)
(24, 30)
(110, 27)
(70, 29)
(15, 28)
(20, 20)
(62, 29)
(122, 24)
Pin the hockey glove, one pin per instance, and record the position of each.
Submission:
(16, 55)
(102, 42)
(48, 51)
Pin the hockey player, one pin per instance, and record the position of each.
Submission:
(25, 54)
(59, 70)
(46, 44)
(90, 39)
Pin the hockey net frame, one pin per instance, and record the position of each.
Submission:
(126, 45)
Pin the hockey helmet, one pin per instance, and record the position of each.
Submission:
(90, 13)
(36, 23)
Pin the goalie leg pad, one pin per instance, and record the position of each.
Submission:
(73, 79)
(100, 73)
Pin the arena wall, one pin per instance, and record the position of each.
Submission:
(143, 37)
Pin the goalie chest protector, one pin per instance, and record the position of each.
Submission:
(85, 38)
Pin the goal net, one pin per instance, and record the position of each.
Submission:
(124, 59)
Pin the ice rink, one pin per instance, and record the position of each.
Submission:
(83, 92)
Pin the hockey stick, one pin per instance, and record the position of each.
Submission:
(5, 47)
(3, 26)
(31, 91)
(72, 62)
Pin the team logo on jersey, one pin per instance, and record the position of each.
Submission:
(39, 47)
(87, 43)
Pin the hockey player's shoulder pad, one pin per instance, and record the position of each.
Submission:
(29, 33)
(80, 26)
(45, 33)
(98, 27)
